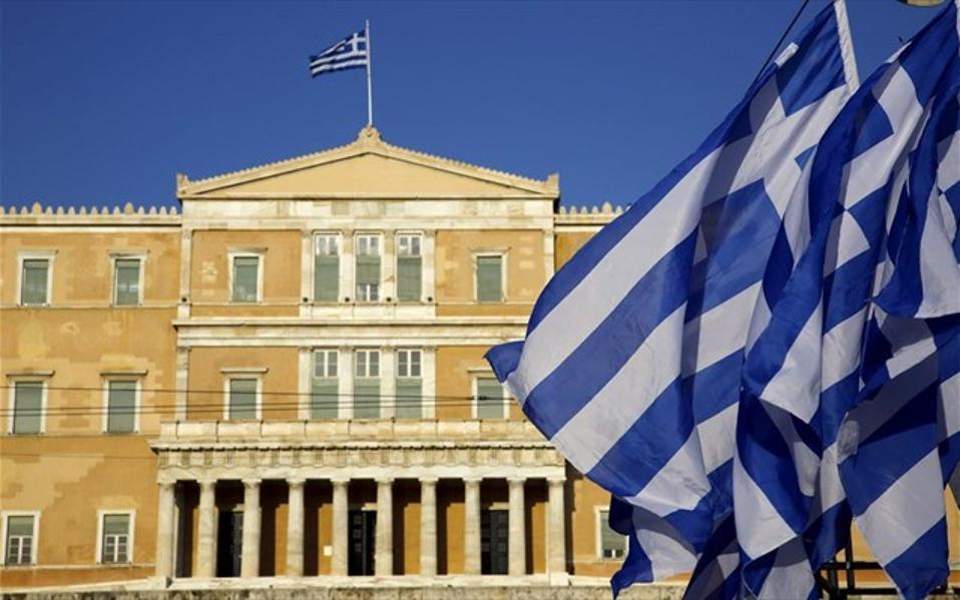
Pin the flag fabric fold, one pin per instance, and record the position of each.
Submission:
(349, 53)
(740, 356)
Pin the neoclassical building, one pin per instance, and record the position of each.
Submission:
(285, 377)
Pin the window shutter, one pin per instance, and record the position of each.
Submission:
(245, 278)
(128, 281)
(116, 524)
(33, 282)
(28, 405)
(121, 406)
(489, 398)
(366, 398)
(489, 279)
(326, 285)
(20, 525)
(409, 398)
(409, 278)
(243, 398)
(368, 269)
(323, 398)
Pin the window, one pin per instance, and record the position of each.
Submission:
(326, 269)
(20, 543)
(489, 399)
(246, 278)
(126, 281)
(368, 268)
(242, 398)
(115, 537)
(490, 278)
(121, 406)
(35, 281)
(366, 385)
(409, 384)
(409, 268)
(612, 544)
(326, 385)
(27, 407)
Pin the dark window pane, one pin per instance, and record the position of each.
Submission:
(489, 279)
(121, 406)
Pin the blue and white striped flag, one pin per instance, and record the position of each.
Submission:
(827, 341)
(348, 53)
(634, 352)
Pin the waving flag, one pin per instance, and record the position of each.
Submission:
(348, 53)
(867, 204)
(633, 356)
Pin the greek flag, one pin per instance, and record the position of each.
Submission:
(768, 344)
(348, 53)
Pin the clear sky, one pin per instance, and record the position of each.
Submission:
(103, 102)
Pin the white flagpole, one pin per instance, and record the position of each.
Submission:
(846, 46)
(369, 79)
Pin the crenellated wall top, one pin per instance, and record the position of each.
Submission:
(128, 214)
(587, 215)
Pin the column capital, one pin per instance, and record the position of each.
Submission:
(384, 480)
(429, 480)
(296, 482)
(167, 484)
(251, 482)
(207, 482)
(556, 480)
(472, 480)
(516, 480)
(339, 481)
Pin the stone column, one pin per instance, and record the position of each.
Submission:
(348, 267)
(250, 557)
(518, 529)
(383, 559)
(345, 375)
(428, 527)
(388, 266)
(207, 534)
(471, 526)
(164, 556)
(428, 252)
(295, 527)
(556, 536)
(338, 563)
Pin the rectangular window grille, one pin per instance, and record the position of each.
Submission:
(34, 281)
(326, 281)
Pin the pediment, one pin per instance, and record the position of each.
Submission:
(368, 168)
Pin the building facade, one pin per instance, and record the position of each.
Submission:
(285, 378)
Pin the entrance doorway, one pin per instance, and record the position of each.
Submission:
(229, 543)
(494, 540)
(362, 532)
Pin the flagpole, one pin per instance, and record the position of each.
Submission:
(369, 78)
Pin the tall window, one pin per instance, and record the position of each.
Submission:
(115, 540)
(368, 268)
(126, 281)
(27, 407)
(490, 278)
(326, 385)
(121, 406)
(612, 544)
(409, 268)
(246, 278)
(35, 281)
(489, 399)
(20, 543)
(326, 269)
(242, 400)
(409, 384)
(366, 384)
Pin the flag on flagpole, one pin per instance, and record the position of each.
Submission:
(633, 356)
(349, 53)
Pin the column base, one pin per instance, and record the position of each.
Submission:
(559, 578)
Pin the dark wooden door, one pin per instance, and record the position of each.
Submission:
(494, 540)
(229, 543)
(363, 531)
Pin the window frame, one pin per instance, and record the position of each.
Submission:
(34, 545)
(475, 407)
(12, 402)
(367, 377)
(502, 255)
(356, 263)
(232, 256)
(142, 258)
(258, 398)
(132, 527)
(326, 351)
(396, 260)
(47, 255)
(136, 402)
(338, 237)
(598, 533)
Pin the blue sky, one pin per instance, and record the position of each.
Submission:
(103, 102)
